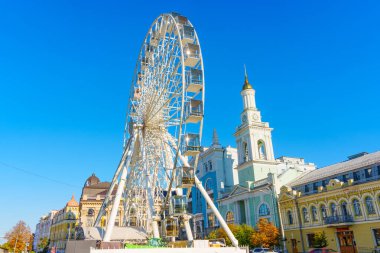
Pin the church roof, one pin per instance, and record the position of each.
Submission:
(338, 168)
(93, 179)
(72, 202)
(246, 85)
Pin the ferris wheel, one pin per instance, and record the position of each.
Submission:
(163, 134)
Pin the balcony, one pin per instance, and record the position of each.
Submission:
(337, 219)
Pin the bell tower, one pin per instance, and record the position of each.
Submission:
(253, 140)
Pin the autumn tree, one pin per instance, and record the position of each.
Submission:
(18, 237)
(266, 235)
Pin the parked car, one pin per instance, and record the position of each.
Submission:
(262, 250)
(323, 250)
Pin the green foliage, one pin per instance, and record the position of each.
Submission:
(320, 240)
(243, 235)
(43, 244)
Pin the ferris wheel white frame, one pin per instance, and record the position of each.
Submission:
(163, 129)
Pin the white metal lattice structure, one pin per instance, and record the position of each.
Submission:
(163, 131)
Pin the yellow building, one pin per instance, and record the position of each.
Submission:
(342, 199)
(93, 194)
(63, 226)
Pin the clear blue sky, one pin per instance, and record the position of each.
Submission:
(66, 67)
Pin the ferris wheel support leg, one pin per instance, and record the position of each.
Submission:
(222, 222)
(189, 233)
(119, 192)
(156, 232)
(215, 210)
(110, 190)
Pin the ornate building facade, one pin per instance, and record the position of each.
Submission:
(63, 225)
(43, 230)
(215, 170)
(342, 199)
(243, 182)
(260, 175)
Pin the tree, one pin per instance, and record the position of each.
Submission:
(43, 245)
(266, 235)
(320, 240)
(242, 233)
(220, 233)
(18, 237)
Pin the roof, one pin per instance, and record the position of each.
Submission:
(93, 179)
(336, 169)
(72, 202)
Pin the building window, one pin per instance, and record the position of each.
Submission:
(245, 152)
(344, 208)
(346, 177)
(314, 213)
(369, 205)
(208, 185)
(211, 220)
(323, 211)
(310, 240)
(333, 210)
(305, 214)
(357, 176)
(261, 149)
(376, 235)
(90, 212)
(230, 217)
(306, 188)
(357, 209)
(368, 173)
(315, 187)
(205, 167)
(378, 170)
(290, 217)
(264, 210)
(210, 165)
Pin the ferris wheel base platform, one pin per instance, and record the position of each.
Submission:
(173, 250)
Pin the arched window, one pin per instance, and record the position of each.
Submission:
(357, 209)
(323, 211)
(230, 217)
(343, 206)
(264, 210)
(245, 152)
(90, 212)
(290, 217)
(334, 211)
(208, 185)
(369, 205)
(305, 214)
(314, 215)
(261, 149)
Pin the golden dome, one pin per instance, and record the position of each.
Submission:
(246, 85)
(92, 180)
(72, 202)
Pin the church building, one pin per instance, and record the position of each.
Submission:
(254, 175)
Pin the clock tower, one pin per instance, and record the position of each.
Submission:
(254, 140)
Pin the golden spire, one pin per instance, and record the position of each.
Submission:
(246, 85)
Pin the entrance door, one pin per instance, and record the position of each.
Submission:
(294, 246)
(346, 242)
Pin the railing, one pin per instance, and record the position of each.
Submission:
(336, 219)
